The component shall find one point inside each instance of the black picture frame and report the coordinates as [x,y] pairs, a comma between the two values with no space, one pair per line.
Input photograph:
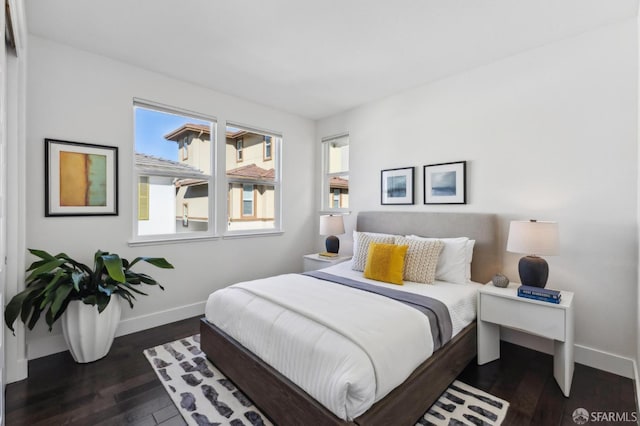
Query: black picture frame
[80,179]
[397,186]
[445,183]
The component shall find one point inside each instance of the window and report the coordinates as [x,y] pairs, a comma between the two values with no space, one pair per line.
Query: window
[247,200]
[173,171]
[267,148]
[253,187]
[185,148]
[185,214]
[335,179]
[336,198]
[239,150]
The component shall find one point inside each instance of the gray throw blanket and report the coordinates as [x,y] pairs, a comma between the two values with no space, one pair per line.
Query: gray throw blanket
[435,310]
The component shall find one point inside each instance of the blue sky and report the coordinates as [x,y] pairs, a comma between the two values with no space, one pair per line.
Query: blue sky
[150,128]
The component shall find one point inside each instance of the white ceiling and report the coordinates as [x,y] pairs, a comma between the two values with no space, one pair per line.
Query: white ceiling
[315,58]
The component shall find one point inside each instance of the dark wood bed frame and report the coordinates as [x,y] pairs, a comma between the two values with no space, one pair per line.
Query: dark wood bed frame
[286,404]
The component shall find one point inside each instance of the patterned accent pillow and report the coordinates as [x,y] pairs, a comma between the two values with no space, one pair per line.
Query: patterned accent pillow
[362,248]
[422,259]
[385,262]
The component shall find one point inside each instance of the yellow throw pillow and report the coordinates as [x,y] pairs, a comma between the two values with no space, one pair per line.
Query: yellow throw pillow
[385,262]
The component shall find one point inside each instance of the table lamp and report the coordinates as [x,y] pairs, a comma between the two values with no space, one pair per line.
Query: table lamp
[332,225]
[533,238]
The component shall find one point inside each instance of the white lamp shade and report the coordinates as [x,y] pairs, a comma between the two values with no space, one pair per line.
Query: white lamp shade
[331,225]
[533,237]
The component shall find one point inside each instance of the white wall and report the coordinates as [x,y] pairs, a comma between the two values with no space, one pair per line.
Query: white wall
[162,207]
[548,134]
[78,96]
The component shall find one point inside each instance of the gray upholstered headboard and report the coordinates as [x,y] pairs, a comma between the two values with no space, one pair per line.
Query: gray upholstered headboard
[478,226]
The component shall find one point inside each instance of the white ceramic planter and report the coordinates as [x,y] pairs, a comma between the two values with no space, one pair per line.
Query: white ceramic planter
[89,335]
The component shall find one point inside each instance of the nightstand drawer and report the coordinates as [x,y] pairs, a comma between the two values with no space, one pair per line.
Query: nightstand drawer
[535,318]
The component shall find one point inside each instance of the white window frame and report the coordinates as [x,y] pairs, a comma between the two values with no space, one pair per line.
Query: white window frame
[211,232]
[276,156]
[326,204]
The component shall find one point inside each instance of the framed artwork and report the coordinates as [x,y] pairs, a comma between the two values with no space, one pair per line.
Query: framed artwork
[445,183]
[81,179]
[396,186]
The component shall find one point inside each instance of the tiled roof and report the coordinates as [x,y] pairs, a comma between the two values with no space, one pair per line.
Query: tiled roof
[336,182]
[156,165]
[251,171]
[177,133]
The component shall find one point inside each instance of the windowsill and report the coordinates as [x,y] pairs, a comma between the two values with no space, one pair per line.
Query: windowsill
[335,211]
[185,239]
[251,234]
[171,240]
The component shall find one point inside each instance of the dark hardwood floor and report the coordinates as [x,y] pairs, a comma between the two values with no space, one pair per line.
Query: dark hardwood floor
[123,389]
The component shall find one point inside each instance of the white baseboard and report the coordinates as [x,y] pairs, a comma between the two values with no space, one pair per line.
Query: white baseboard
[55,343]
[585,355]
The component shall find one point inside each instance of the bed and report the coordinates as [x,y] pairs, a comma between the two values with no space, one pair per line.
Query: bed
[286,403]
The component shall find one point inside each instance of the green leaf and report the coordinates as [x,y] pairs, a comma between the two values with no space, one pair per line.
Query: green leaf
[126,296]
[47,267]
[103,301]
[49,290]
[49,318]
[90,300]
[34,317]
[159,262]
[134,289]
[41,254]
[14,306]
[114,267]
[32,301]
[62,293]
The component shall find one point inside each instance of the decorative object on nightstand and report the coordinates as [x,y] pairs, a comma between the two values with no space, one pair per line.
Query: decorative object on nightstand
[500,280]
[332,225]
[533,238]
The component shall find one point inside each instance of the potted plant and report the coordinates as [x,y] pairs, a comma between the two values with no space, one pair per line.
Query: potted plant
[61,287]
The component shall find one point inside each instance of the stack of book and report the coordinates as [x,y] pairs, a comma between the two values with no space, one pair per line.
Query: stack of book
[539,293]
[327,254]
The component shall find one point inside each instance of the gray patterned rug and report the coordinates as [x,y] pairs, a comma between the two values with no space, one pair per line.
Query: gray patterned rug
[204,396]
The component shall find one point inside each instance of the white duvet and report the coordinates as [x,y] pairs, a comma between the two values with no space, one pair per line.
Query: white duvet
[345,347]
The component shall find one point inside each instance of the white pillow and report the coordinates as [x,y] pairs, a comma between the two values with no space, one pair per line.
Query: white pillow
[452,263]
[469,258]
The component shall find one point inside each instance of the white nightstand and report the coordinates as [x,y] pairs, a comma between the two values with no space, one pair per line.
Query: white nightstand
[502,307]
[314,261]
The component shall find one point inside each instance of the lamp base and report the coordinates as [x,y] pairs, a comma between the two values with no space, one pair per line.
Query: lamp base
[332,244]
[534,271]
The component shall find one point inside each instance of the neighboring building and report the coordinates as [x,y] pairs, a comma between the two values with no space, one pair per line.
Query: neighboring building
[157,195]
[338,193]
[250,169]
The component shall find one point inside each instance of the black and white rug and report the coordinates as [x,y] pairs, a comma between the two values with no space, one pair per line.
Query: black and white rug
[204,396]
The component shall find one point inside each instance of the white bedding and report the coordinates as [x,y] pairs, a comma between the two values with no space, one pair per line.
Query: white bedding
[335,342]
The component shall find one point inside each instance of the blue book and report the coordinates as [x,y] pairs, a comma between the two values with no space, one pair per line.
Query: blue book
[538,291]
[541,298]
